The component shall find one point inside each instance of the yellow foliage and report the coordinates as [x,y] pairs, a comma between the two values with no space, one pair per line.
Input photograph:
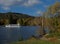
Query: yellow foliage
[54,8]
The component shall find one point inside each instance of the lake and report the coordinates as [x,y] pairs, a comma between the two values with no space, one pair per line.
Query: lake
[15,34]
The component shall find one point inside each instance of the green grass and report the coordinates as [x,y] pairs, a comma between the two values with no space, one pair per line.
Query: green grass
[36,42]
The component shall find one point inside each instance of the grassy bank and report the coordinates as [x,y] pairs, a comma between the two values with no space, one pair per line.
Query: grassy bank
[34,41]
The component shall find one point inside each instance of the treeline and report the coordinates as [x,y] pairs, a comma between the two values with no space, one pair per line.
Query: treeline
[53,19]
[22,19]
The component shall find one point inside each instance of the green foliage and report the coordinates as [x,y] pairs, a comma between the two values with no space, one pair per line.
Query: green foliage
[54,25]
[15,17]
[22,19]
[36,42]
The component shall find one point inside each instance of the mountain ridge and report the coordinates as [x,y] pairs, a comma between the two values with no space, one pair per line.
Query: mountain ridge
[13,18]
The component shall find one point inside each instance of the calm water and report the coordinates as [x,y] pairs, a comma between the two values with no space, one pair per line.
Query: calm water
[15,34]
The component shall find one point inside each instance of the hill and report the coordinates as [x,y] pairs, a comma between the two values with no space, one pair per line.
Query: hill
[14,18]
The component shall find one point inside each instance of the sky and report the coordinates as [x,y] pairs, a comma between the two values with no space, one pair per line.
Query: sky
[30,7]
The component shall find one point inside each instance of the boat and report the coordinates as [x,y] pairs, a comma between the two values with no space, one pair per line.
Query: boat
[12,25]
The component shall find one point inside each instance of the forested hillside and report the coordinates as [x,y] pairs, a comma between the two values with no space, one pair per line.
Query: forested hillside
[14,18]
[53,19]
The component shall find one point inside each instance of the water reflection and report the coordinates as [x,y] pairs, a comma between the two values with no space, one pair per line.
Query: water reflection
[15,34]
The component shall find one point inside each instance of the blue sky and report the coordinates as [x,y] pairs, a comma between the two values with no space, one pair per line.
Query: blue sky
[30,7]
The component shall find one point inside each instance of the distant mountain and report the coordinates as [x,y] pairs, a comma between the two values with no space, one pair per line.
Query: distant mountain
[18,15]
[13,18]
[22,19]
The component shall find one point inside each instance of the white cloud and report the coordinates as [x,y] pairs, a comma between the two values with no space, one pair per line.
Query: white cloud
[6,8]
[31,2]
[18,0]
[39,12]
[8,3]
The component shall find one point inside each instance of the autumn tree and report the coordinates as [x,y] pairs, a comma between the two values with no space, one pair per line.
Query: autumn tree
[52,16]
